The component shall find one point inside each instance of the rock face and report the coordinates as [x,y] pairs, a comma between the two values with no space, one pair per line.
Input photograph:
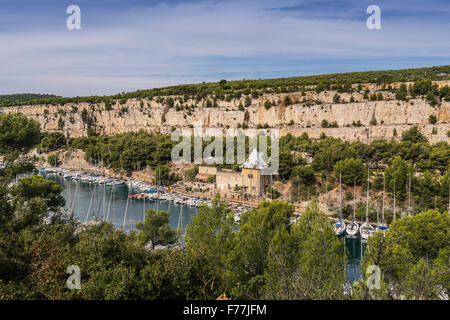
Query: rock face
[360,120]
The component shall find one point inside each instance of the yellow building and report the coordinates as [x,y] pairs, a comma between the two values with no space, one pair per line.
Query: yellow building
[251,181]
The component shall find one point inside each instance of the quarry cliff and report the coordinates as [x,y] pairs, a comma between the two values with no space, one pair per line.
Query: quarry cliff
[351,117]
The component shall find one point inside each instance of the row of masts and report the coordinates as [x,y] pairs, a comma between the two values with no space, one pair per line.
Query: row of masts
[366,230]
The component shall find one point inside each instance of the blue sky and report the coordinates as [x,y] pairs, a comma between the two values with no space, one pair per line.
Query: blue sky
[131,45]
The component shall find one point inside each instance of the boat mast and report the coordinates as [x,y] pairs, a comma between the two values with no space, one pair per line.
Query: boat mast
[68,206]
[367,198]
[243,187]
[126,209]
[378,219]
[75,196]
[104,200]
[409,195]
[326,191]
[354,199]
[340,194]
[110,199]
[90,203]
[394,198]
[143,211]
[382,208]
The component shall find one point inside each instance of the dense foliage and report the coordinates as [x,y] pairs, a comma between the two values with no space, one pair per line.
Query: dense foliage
[17,133]
[21,98]
[267,258]
[414,258]
[235,89]
[130,151]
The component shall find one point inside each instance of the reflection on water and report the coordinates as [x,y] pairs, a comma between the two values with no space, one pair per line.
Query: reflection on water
[110,203]
[355,251]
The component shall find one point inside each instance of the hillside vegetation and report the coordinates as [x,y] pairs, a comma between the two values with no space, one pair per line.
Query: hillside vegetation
[341,81]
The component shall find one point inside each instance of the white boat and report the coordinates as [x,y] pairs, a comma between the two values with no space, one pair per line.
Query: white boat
[85,179]
[352,228]
[367,229]
[382,226]
[340,227]
[154,196]
[67,176]
[116,182]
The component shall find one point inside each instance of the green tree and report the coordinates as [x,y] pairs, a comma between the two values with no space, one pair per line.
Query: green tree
[413,257]
[352,170]
[209,241]
[249,257]
[248,101]
[17,133]
[402,92]
[398,175]
[53,160]
[306,262]
[52,141]
[304,174]
[155,229]
[163,176]
[37,187]
[413,135]
[432,118]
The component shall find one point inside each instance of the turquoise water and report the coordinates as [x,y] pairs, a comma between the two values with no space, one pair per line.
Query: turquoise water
[104,199]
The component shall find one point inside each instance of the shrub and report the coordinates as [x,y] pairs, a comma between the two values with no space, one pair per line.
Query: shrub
[413,135]
[432,118]
[336,98]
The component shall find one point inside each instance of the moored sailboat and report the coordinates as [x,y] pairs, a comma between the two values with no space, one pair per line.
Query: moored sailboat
[367,229]
[382,226]
[340,227]
[353,227]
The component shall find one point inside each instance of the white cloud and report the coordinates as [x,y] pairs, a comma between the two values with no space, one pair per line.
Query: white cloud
[179,43]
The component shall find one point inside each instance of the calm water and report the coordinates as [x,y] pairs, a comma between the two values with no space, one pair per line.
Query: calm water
[88,201]
[355,251]
[98,200]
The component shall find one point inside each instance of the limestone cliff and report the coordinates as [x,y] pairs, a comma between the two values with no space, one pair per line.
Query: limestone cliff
[360,120]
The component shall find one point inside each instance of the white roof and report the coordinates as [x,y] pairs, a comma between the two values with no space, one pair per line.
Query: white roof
[254,161]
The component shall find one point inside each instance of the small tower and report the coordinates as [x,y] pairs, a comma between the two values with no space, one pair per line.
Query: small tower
[254,180]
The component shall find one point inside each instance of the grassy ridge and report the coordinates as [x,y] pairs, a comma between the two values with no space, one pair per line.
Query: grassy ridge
[254,87]
[24,97]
